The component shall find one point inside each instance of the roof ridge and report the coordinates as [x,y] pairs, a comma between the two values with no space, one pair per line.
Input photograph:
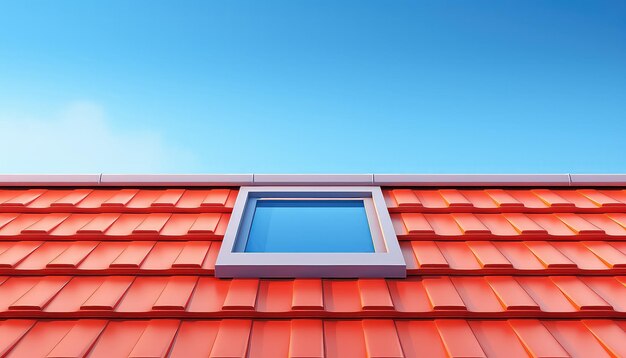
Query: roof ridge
[102,179]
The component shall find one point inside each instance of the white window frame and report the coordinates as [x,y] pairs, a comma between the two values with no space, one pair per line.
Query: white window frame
[386,260]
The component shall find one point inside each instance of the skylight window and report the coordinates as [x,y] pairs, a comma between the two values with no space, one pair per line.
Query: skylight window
[310,232]
[309,226]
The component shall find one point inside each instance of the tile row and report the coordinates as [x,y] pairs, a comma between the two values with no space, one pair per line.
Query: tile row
[407,225]
[508,225]
[193,296]
[422,257]
[107,257]
[175,200]
[312,338]
[506,200]
[515,257]
[117,200]
[112,225]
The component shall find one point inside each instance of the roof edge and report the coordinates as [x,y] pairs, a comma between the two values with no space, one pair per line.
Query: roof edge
[472,179]
[439,180]
[176,179]
[49,179]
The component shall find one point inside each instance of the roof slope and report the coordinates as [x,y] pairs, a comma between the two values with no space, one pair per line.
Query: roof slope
[128,272]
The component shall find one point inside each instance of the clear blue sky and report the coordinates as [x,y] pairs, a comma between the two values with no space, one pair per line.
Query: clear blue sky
[313,86]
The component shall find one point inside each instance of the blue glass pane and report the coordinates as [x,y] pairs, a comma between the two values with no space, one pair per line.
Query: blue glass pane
[309,226]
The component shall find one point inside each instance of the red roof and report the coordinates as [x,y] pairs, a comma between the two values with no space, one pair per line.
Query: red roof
[127,272]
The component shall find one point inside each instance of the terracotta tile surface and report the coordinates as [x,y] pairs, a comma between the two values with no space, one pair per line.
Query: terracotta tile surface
[312,338]
[430,296]
[493,272]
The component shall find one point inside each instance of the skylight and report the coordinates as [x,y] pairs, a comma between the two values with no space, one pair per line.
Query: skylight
[310,232]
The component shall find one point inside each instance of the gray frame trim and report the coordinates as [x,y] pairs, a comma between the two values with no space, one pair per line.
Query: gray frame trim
[389,263]
[426,180]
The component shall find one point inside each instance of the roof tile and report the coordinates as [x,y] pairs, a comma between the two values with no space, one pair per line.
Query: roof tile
[548,255]
[23,197]
[524,225]
[169,197]
[454,198]
[45,224]
[242,294]
[600,199]
[307,294]
[511,294]
[74,294]
[40,294]
[209,295]
[442,294]
[192,255]
[612,257]
[232,339]
[108,294]
[381,339]
[342,296]
[41,339]
[405,197]
[488,255]
[338,332]
[176,293]
[142,294]
[610,290]
[469,224]
[458,338]
[546,294]
[18,252]
[519,255]
[118,339]
[74,254]
[73,198]
[216,197]
[374,294]
[416,223]
[476,294]
[536,338]
[503,199]
[11,332]
[579,294]
[156,339]
[121,197]
[497,339]
[580,255]
[277,332]
[577,340]
[420,339]
[551,198]
[609,335]
[133,255]
[79,340]
[195,339]
[578,224]
[428,254]
[152,224]
[306,339]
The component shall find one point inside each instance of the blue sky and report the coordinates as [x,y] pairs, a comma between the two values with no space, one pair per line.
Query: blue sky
[313,86]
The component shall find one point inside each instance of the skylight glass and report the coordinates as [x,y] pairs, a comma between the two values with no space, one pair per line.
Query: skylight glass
[314,226]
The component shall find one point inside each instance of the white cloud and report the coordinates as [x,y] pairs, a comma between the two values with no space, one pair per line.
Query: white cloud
[79,140]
